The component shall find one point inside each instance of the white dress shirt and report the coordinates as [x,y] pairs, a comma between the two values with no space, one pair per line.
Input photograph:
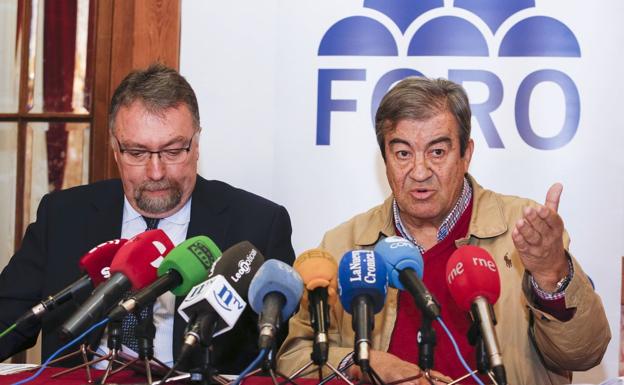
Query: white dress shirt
[175,227]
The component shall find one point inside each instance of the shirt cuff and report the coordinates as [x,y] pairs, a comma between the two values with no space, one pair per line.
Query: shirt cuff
[553,303]
[559,293]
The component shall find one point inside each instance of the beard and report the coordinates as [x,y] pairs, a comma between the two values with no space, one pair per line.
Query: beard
[158,205]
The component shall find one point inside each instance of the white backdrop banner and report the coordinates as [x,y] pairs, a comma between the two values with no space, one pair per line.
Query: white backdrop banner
[288,89]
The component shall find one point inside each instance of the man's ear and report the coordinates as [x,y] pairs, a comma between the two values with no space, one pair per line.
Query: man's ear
[468,154]
[111,140]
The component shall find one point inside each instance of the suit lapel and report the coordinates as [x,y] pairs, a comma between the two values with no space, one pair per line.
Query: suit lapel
[105,221]
[208,217]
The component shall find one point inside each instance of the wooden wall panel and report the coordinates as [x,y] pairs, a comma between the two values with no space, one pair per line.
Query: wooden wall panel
[158,29]
[141,32]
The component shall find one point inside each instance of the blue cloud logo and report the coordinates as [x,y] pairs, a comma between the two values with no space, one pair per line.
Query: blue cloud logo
[449,35]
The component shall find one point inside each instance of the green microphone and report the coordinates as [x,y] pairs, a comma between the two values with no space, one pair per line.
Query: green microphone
[187,265]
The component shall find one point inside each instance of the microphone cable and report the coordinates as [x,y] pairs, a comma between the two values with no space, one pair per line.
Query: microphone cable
[60,350]
[8,330]
[251,366]
[461,359]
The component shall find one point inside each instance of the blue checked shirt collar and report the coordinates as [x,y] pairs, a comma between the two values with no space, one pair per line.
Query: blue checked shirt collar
[447,224]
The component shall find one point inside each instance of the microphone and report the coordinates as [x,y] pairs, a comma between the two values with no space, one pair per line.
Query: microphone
[94,264]
[405,270]
[134,265]
[473,280]
[215,305]
[318,269]
[185,266]
[362,285]
[274,294]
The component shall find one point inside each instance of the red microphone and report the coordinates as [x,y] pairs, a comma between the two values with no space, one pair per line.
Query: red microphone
[134,266]
[140,257]
[94,263]
[473,280]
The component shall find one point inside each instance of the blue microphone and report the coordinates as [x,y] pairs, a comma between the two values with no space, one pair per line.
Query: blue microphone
[362,286]
[405,266]
[274,294]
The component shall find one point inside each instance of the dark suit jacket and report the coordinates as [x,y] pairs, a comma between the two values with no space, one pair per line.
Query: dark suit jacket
[70,222]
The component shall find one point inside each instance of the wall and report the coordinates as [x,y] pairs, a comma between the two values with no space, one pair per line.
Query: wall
[258,74]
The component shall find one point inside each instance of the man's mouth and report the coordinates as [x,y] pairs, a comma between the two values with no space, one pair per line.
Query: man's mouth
[421,193]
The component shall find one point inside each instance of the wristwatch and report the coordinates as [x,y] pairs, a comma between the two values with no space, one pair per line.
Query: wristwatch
[563,283]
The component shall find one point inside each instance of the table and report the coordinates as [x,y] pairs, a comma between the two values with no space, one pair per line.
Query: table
[125,377]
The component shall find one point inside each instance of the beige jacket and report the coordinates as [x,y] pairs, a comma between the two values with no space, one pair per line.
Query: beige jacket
[536,347]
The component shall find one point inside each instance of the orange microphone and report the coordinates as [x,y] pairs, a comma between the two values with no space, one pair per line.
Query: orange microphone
[319,271]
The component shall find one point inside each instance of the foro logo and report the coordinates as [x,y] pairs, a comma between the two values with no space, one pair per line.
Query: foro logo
[479,32]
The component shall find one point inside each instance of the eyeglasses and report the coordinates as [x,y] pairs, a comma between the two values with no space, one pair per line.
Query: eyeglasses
[140,157]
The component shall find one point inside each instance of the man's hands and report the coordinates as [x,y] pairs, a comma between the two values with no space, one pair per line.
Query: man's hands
[391,368]
[538,237]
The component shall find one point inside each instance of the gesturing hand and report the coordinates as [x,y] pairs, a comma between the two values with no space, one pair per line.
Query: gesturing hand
[538,237]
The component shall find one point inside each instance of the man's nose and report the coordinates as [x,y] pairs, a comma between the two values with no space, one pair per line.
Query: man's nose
[155,167]
[421,170]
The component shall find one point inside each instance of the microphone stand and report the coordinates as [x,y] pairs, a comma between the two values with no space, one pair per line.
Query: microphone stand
[114,346]
[426,344]
[269,366]
[483,362]
[320,347]
[145,333]
[206,373]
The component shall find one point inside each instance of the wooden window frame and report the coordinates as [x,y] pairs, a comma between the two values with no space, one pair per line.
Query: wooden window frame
[128,34]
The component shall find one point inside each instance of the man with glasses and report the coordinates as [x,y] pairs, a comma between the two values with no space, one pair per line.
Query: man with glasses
[154,132]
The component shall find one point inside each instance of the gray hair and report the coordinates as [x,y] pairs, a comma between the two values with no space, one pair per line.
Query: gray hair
[159,88]
[420,98]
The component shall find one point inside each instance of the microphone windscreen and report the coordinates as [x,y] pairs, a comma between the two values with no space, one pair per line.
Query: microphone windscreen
[398,253]
[192,259]
[139,258]
[362,272]
[96,262]
[318,268]
[470,273]
[276,276]
[238,265]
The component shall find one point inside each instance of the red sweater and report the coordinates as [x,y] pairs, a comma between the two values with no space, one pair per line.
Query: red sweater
[404,344]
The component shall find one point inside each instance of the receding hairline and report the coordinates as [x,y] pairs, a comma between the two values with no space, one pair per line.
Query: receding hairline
[151,109]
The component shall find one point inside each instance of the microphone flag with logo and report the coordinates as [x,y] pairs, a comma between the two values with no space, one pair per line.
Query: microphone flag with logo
[362,285]
[222,298]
